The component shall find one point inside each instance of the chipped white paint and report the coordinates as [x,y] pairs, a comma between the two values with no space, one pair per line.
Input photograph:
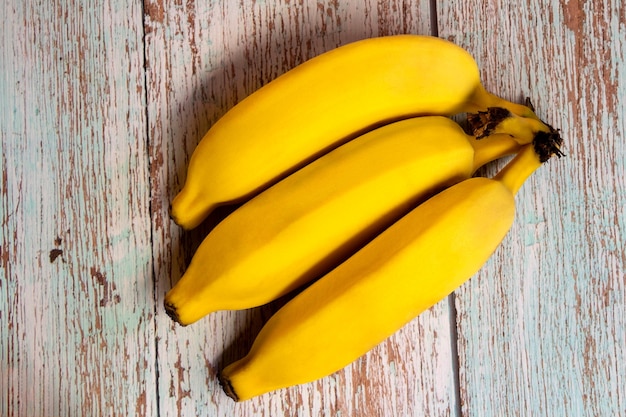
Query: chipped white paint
[542,327]
[76,292]
[98,122]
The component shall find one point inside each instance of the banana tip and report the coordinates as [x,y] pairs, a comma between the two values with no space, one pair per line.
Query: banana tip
[176,219]
[228,387]
[188,211]
[172,313]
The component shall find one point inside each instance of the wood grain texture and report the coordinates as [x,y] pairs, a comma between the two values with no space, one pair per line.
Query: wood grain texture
[541,328]
[102,105]
[76,289]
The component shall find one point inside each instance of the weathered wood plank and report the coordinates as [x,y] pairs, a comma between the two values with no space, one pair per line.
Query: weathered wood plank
[76,289]
[541,328]
[202,59]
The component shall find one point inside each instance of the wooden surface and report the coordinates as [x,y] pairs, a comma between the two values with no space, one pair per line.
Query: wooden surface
[101,107]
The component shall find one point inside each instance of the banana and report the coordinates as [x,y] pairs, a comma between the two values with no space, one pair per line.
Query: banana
[322,103]
[406,269]
[307,223]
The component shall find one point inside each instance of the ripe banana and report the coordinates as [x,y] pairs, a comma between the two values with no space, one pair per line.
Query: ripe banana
[322,103]
[405,270]
[310,221]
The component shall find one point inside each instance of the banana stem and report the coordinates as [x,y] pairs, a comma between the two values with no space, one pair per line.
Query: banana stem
[531,157]
[519,169]
[493,147]
[523,129]
[483,99]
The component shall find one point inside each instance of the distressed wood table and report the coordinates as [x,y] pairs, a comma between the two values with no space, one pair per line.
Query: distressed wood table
[102,103]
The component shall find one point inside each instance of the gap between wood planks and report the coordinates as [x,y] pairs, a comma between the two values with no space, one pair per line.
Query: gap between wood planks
[452,313]
[155,284]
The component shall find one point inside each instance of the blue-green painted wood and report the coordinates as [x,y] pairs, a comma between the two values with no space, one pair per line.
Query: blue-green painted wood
[91,157]
[76,298]
[542,327]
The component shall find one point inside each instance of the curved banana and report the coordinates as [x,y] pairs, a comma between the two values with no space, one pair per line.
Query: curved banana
[405,270]
[325,102]
[309,222]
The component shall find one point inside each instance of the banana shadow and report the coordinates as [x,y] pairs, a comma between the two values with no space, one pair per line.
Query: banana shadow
[254,321]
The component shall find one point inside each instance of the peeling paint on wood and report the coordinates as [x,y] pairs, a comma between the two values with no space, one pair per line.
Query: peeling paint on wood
[102,106]
[541,328]
[76,286]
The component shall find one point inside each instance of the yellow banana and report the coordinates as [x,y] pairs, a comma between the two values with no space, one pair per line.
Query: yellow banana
[408,268]
[310,221]
[325,102]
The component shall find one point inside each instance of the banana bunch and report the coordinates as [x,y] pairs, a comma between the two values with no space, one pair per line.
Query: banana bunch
[356,183]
